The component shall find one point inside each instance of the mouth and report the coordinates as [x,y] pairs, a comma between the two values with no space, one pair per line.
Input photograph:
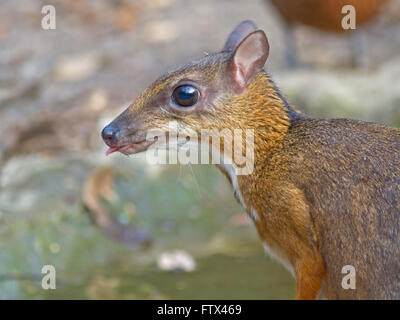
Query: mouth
[130,148]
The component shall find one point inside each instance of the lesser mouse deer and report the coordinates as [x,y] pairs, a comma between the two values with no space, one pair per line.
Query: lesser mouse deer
[323,194]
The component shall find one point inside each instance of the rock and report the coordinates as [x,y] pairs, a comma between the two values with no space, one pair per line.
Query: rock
[177,260]
[98,100]
[78,67]
[161,31]
[365,95]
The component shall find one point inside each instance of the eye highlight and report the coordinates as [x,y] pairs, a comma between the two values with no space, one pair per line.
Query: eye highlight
[186,95]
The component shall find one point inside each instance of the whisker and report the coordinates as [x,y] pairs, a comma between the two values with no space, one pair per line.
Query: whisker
[195,181]
[170,113]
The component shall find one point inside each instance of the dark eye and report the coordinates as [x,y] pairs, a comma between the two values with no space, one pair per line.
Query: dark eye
[186,95]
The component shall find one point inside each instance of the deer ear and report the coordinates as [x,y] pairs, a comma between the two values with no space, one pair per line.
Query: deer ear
[241,31]
[248,59]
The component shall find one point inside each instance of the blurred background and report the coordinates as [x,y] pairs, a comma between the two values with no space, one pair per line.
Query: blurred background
[116,227]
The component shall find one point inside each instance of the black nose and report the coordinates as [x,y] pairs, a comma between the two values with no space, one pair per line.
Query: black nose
[110,135]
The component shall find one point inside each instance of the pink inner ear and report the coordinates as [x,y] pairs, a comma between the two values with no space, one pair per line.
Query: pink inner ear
[240,74]
[249,58]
